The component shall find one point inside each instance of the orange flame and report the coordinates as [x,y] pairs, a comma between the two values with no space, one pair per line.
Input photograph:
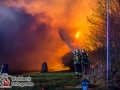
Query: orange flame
[77,34]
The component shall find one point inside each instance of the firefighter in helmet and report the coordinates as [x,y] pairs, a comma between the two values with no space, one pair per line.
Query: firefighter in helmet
[85,62]
[77,63]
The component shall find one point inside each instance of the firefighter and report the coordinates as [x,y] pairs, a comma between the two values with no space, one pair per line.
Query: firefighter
[85,62]
[77,63]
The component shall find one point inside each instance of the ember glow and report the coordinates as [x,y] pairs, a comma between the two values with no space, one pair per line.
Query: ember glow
[29,31]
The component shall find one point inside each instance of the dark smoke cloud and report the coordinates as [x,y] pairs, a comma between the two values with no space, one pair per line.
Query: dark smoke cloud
[20,37]
[29,31]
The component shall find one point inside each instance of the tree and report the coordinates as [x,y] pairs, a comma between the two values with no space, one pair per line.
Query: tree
[67,60]
[97,36]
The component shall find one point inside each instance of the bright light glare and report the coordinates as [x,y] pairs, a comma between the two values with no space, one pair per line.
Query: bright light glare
[77,34]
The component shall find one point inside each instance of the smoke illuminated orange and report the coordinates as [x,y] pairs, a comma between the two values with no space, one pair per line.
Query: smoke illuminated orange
[68,14]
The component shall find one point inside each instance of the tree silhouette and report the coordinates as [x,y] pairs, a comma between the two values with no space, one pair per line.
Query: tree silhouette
[97,36]
[67,60]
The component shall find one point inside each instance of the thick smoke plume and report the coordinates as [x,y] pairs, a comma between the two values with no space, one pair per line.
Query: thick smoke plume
[29,31]
[22,38]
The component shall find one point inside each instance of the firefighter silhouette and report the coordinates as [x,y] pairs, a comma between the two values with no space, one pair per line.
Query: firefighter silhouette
[77,63]
[85,62]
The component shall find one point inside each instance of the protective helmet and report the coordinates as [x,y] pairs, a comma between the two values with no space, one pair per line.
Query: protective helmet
[83,51]
[77,50]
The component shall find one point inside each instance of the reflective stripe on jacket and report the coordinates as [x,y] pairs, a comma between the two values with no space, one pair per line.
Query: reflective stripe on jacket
[77,58]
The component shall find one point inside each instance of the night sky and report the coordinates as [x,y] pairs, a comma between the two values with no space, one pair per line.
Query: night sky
[29,31]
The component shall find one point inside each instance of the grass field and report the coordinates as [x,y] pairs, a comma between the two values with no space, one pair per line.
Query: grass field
[52,81]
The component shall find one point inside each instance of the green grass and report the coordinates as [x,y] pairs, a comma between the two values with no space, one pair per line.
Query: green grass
[50,80]
[54,81]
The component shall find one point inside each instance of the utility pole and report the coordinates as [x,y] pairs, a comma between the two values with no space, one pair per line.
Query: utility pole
[108,51]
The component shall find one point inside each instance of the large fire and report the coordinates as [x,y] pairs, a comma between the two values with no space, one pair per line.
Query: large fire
[39,41]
